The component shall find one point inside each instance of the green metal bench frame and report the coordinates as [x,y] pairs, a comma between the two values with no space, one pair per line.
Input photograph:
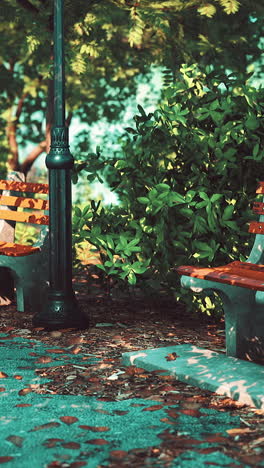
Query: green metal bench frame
[30,271]
[240,286]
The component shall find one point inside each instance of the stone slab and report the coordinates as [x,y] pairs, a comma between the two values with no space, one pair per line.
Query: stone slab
[237,379]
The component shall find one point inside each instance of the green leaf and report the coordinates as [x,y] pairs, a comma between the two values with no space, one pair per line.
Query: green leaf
[204,196]
[256,150]
[132,277]
[228,212]
[252,122]
[141,110]
[143,200]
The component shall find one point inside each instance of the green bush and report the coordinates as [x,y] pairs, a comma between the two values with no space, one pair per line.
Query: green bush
[187,176]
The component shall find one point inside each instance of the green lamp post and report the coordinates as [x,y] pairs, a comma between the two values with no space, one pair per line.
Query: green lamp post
[61,309]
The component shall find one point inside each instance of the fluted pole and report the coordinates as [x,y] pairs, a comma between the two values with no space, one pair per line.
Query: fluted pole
[61,309]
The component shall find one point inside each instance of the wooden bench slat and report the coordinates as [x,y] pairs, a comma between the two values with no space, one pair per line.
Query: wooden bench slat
[17,250]
[260,188]
[23,186]
[258,208]
[23,202]
[22,217]
[243,274]
[256,227]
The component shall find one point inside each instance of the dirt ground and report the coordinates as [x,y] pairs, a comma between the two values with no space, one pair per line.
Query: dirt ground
[124,324]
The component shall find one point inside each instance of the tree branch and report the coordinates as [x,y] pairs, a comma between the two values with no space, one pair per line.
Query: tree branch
[11,137]
[28,6]
[20,105]
[33,155]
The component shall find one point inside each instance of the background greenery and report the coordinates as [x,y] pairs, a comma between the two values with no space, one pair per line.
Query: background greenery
[185,173]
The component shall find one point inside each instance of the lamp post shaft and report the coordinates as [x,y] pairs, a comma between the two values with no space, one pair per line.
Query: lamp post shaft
[61,309]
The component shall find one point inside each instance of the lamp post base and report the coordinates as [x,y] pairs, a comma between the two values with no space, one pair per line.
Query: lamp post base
[60,311]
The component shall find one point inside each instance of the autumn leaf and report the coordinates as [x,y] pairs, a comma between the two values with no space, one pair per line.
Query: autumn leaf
[44,360]
[153,408]
[69,419]
[23,405]
[24,391]
[18,377]
[76,349]
[191,412]
[6,459]
[97,442]
[117,454]
[45,426]
[71,445]
[239,430]
[171,357]
[50,443]
[95,428]
[15,440]
[3,375]
[207,10]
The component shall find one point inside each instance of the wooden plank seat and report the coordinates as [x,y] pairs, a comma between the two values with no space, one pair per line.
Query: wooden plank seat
[17,250]
[241,288]
[28,264]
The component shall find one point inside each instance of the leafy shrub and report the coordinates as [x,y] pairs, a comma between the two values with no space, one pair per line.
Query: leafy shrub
[185,182]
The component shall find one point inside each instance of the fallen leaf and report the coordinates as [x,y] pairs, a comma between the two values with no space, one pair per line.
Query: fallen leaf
[6,459]
[191,412]
[2,389]
[97,442]
[18,377]
[24,391]
[258,441]
[208,450]
[71,445]
[16,440]
[237,431]
[23,405]
[45,426]
[75,340]
[171,357]
[117,454]
[50,443]
[76,349]
[3,375]
[101,411]
[95,428]
[120,413]
[44,360]
[55,334]
[69,419]
[56,351]
[153,408]
[78,464]
[172,413]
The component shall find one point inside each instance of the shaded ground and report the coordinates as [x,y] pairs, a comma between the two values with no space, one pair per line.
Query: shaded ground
[142,419]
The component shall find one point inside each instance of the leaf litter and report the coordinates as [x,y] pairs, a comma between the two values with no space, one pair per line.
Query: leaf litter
[125,325]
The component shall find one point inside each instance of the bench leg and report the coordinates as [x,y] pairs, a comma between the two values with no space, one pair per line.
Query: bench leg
[239,308]
[30,295]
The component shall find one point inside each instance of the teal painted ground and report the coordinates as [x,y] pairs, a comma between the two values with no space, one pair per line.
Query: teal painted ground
[48,431]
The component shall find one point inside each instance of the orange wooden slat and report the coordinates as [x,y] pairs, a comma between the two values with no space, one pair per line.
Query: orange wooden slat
[23,186]
[23,202]
[260,188]
[22,217]
[256,227]
[16,250]
[258,208]
[243,274]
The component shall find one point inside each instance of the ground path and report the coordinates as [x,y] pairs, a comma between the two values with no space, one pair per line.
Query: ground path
[66,401]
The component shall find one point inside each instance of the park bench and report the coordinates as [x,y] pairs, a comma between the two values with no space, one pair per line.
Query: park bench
[27,264]
[241,288]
